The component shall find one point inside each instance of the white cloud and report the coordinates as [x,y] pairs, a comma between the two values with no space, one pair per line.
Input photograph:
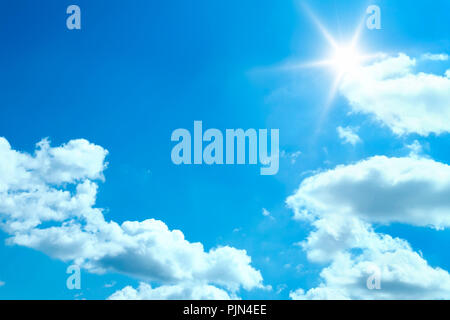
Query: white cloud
[397,96]
[415,148]
[342,204]
[410,190]
[56,185]
[404,274]
[172,292]
[280,288]
[321,293]
[435,57]
[110,284]
[348,135]
[2,283]
[291,155]
[266,213]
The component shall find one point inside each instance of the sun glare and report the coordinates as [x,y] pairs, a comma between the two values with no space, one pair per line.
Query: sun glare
[346,59]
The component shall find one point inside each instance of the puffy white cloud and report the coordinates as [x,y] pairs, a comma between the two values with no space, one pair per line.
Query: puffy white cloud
[2,283]
[185,291]
[410,190]
[348,135]
[29,193]
[403,273]
[404,100]
[333,235]
[342,204]
[47,203]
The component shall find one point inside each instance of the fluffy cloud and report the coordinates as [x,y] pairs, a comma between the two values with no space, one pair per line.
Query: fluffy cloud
[171,292]
[410,190]
[29,193]
[47,203]
[342,204]
[348,135]
[404,100]
[403,273]
[2,283]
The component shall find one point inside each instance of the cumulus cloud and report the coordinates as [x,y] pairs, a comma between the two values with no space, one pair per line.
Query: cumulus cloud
[47,202]
[410,190]
[342,204]
[348,135]
[399,97]
[185,291]
[404,273]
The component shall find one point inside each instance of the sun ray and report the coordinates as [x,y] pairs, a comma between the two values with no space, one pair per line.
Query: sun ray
[320,26]
[357,33]
[344,60]
[304,65]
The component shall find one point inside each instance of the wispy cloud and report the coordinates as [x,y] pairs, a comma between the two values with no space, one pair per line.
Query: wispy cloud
[348,135]
[435,57]
[110,284]
[266,213]
[292,156]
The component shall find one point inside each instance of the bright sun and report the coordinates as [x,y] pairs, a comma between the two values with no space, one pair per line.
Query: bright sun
[345,59]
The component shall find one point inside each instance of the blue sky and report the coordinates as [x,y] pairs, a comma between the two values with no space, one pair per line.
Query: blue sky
[137,71]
